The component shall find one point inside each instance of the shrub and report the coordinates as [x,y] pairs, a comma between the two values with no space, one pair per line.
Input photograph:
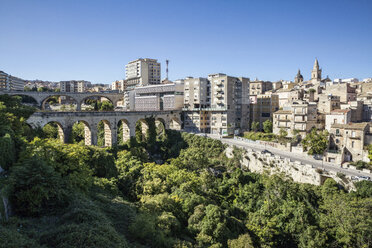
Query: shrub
[34,186]
[11,238]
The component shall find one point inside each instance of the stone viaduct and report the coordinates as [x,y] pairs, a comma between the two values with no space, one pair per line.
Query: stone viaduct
[111,120]
[42,97]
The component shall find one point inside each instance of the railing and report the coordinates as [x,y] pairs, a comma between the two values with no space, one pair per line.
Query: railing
[334,151]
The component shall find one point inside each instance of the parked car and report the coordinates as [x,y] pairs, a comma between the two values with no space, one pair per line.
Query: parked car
[318,157]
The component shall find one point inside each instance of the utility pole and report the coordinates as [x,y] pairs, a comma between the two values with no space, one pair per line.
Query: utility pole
[167,62]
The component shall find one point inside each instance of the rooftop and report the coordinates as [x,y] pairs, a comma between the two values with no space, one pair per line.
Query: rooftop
[351,125]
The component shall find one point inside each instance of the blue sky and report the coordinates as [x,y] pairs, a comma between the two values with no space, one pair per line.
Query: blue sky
[93,40]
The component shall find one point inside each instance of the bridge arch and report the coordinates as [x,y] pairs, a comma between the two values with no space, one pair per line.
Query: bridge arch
[59,95]
[175,123]
[105,137]
[124,130]
[85,98]
[160,127]
[60,130]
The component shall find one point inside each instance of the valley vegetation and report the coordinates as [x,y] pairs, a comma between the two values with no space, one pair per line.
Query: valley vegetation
[71,195]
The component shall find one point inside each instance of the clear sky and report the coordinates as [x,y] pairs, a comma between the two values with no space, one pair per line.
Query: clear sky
[93,40]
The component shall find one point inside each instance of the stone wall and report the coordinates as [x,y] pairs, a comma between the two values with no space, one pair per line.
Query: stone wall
[302,173]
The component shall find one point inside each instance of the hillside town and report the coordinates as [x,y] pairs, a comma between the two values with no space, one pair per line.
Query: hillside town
[227,106]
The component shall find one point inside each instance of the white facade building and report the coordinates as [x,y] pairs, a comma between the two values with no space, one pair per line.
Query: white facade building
[337,116]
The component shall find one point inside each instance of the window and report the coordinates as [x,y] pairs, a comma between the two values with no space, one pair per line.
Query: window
[337,131]
[334,121]
[353,134]
[352,144]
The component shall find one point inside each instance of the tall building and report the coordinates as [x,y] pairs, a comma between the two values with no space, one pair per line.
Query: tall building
[11,83]
[197,99]
[74,86]
[299,78]
[316,73]
[229,104]
[196,93]
[142,72]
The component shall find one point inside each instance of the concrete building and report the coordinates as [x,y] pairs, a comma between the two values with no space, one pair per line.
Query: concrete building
[288,96]
[299,115]
[262,108]
[197,99]
[328,103]
[118,85]
[259,87]
[197,93]
[142,72]
[344,91]
[356,108]
[229,104]
[347,142]
[337,116]
[156,97]
[11,83]
[75,86]
[277,85]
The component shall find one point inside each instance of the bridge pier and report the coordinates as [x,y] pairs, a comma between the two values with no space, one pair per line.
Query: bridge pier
[67,134]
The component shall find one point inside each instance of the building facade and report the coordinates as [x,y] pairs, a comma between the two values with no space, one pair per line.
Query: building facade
[75,86]
[142,72]
[155,97]
[262,108]
[299,116]
[11,83]
[229,104]
[259,87]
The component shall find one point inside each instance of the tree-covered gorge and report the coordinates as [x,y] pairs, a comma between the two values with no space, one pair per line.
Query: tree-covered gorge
[71,195]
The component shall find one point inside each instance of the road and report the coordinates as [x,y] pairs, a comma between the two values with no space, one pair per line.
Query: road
[292,156]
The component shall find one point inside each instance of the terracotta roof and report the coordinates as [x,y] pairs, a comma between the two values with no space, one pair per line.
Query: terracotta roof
[351,125]
[283,112]
[340,110]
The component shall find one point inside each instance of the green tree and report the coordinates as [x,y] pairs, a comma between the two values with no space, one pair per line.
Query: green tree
[255,126]
[35,186]
[316,142]
[106,106]
[268,126]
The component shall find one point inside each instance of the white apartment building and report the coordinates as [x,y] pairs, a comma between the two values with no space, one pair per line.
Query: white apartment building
[142,72]
[10,83]
[74,86]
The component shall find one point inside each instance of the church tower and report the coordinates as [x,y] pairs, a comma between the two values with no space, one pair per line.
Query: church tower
[299,78]
[316,73]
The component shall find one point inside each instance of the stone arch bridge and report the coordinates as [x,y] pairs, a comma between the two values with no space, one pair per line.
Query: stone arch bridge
[111,120]
[42,97]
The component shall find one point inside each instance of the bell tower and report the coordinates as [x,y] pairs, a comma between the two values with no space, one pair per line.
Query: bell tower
[316,73]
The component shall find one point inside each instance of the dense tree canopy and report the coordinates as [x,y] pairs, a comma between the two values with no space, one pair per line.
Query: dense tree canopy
[179,190]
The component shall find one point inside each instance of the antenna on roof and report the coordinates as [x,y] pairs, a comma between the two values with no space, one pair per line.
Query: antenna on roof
[167,62]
